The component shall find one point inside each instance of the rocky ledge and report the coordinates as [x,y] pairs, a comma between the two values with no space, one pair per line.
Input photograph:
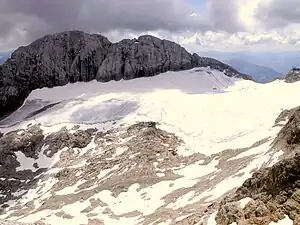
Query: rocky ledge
[72,56]
[271,194]
[104,160]
[293,75]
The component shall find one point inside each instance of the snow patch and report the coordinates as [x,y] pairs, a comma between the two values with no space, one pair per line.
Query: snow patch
[243,202]
[182,201]
[196,171]
[211,220]
[285,221]
[26,163]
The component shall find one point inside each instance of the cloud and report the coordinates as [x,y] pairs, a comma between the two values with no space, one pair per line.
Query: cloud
[278,13]
[224,15]
[214,24]
[34,18]
[288,40]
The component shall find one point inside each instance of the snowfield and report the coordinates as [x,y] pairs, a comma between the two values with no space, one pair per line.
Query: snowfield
[226,125]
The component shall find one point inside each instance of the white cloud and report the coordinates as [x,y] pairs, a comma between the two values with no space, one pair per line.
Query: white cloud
[222,25]
[255,36]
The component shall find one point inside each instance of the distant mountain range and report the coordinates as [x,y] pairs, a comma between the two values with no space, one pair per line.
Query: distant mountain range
[262,66]
[261,74]
[4,56]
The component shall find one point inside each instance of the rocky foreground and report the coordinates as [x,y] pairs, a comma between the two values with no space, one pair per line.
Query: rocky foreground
[71,170]
[272,193]
[116,160]
[72,56]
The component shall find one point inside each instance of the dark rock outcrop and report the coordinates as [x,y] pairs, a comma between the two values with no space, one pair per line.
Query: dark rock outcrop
[62,139]
[20,140]
[293,75]
[72,56]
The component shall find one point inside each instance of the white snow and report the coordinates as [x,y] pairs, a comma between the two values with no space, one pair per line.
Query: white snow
[235,181]
[188,80]
[20,132]
[70,189]
[104,173]
[285,221]
[182,201]
[119,151]
[211,220]
[236,114]
[46,162]
[209,121]
[26,163]
[19,193]
[275,157]
[254,151]
[134,155]
[183,217]
[243,202]
[195,170]
[160,174]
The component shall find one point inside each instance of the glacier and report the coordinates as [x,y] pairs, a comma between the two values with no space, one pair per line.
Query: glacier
[225,124]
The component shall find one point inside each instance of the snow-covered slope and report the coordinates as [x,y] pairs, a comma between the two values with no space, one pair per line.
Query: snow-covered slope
[210,133]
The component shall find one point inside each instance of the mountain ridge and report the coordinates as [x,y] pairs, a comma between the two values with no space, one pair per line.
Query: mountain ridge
[261,71]
[261,74]
[281,61]
[293,75]
[71,56]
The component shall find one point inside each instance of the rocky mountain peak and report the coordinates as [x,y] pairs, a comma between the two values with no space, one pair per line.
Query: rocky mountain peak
[71,56]
[293,75]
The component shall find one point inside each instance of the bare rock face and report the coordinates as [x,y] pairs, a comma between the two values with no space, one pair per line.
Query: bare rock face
[133,148]
[62,138]
[32,143]
[289,136]
[72,56]
[28,142]
[53,60]
[275,191]
[293,75]
[145,56]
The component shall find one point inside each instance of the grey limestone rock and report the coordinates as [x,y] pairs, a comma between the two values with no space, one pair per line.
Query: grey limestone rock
[293,75]
[72,56]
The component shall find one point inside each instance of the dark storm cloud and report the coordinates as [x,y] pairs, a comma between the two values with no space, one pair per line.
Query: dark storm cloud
[278,13]
[34,18]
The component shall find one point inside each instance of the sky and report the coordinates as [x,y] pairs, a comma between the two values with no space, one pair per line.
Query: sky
[198,25]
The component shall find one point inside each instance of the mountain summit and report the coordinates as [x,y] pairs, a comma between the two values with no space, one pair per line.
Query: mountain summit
[72,56]
[293,75]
